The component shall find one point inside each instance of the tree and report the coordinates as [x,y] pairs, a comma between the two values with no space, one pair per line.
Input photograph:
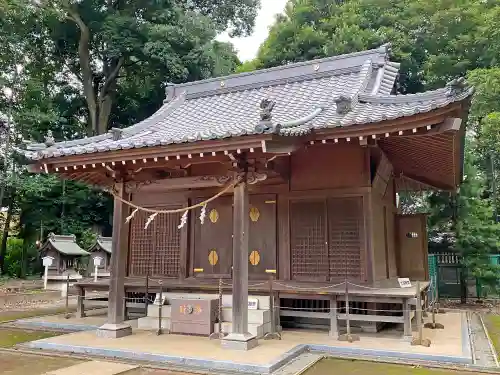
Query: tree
[485,119]
[435,40]
[97,44]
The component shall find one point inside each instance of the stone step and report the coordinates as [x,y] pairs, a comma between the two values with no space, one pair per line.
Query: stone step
[259,330]
[150,323]
[254,316]
[154,311]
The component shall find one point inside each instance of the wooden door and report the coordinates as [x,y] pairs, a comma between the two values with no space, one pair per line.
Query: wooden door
[213,242]
[412,247]
[262,240]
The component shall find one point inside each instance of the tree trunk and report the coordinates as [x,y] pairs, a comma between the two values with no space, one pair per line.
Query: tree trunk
[5,235]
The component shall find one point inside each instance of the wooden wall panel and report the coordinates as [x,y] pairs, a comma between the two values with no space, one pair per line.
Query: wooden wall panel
[329,166]
[379,236]
[308,240]
[345,238]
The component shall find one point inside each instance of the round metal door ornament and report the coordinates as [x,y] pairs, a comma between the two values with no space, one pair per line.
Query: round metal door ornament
[213,257]
[213,216]
[254,258]
[254,214]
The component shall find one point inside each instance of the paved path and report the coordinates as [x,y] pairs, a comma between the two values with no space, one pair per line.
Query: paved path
[297,365]
[480,343]
[93,368]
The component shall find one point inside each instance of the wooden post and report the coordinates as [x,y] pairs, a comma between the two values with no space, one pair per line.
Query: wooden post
[66,303]
[273,334]
[407,320]
[348,336]
[219,334]
[240,338]
[333,316]
[80,307]
[160,308]
[419,340]
[146,295]
[46,277]
[115,326]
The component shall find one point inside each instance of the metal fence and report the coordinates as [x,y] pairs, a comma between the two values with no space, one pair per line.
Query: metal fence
[451,277]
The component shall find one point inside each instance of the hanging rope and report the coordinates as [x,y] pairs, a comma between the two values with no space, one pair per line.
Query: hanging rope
[183,210]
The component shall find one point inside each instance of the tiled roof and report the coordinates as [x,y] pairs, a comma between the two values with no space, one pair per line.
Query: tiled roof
[104,243]
[307,96]
[65,245]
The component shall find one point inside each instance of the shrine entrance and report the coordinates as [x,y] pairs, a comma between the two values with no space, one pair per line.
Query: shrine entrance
[213,240]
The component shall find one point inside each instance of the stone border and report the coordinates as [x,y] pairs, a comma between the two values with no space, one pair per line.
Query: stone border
[39,296]
[466,338]
[211,365]
[71,327]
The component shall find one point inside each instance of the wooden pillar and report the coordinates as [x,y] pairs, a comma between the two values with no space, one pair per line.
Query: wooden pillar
[115,326]
[240,338]
[407,333]
[333,316]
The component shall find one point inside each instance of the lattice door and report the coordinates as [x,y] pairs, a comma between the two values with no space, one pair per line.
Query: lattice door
[345,243]
[167,245]
[140,246]
[308,240]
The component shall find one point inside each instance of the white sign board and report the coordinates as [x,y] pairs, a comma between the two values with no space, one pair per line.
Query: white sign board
[47,261]
[404,282]
[97,261]
[253,303]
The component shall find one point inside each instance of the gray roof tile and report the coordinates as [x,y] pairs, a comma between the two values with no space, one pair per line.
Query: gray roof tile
[104,243]
[64,244]
[304,96]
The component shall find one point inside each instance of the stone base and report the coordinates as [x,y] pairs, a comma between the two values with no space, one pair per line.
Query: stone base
[114,331]
[236,341]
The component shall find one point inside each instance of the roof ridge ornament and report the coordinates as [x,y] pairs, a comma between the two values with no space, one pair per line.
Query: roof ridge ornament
[344,104]
[169,92]
[265,125]
[49,139]
[456,86]
[116,133]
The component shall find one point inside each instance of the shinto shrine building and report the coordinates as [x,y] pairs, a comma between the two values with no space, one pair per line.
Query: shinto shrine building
[312,156]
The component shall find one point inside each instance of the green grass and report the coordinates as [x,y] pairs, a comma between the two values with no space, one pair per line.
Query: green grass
[492,323]
[14,315]
[11,337]
[22,364]
[331,366]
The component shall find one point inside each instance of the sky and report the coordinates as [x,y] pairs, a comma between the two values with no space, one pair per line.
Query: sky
[247,47]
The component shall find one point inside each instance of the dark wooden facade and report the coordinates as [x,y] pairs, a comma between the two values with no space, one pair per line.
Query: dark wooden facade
[334,218]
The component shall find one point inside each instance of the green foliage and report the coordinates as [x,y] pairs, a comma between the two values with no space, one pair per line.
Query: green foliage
[435,40]
[14,257]
[52,78]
